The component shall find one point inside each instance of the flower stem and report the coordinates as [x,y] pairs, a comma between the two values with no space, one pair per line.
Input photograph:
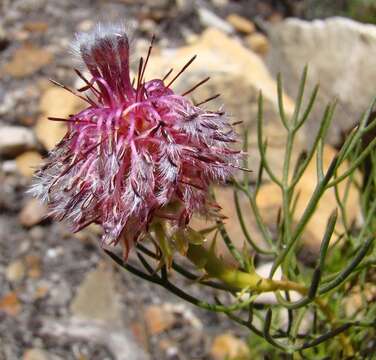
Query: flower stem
[238,280]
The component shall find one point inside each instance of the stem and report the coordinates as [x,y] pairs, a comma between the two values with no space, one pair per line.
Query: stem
[207,260]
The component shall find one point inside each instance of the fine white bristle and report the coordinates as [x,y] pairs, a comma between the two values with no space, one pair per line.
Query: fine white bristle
[85,41]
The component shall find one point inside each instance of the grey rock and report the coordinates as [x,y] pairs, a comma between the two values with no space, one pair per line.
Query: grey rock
[119,341]
[341,55]
[210,19]
[16,139]
[97,299]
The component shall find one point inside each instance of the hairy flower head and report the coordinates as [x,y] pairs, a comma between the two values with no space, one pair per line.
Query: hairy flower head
[137,153]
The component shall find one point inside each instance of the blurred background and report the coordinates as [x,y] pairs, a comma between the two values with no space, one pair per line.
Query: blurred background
[60,297]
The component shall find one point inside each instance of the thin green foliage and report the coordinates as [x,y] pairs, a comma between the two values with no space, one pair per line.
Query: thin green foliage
[312,325]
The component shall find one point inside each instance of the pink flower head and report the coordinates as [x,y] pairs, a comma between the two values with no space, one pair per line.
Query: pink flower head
[137,153]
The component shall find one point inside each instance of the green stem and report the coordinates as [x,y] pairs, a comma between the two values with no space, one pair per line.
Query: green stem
[207,260]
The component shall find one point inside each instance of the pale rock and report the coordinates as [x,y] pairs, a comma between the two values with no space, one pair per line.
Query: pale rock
[28,162]
[33,213]
[36,354]
[85,25]
[238,75]
[15,271]
[27,60]
[97,299]
[241,24]
[55,102]
[148,26]
[37,233]
[341,54]
[39,354]
[227,346]
[209,19]
[158,319]
[16,139]
[9,167]
[258,42]
[220,3]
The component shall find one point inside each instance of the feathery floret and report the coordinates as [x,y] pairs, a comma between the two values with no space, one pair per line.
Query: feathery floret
[137,153]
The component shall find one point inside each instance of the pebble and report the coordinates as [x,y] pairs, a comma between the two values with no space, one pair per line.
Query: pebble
[220,3]
[31,5]
[28,162]
[96,297]
[32,213]
[158,319]
[36,354]
[258,43]
[15,271]
[241,24]
[148,26]
[9,167]
[85,25]
[209,19]
[227,346]
[27,60]
[60,294]
[15,139]
[36,233]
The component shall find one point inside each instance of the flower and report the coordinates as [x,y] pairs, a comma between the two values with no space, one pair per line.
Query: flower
[137,153]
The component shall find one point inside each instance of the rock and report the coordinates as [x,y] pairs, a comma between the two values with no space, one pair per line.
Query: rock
[85,25]
[158,319]
[37,233]
[209,19]
[119,341]
[9,167]
[33,213]
[341,55]
[234,70]
[34,266]
[148,26]
[227,346]
[15,271]
[220,3]
[36,26]
[36,354]
[28,162]
[39,354]
[97,299]
[55,102]
[15,139]
[27,60]
[258,42]
[10,304]
[269,200]
[60,294]
[241,24]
